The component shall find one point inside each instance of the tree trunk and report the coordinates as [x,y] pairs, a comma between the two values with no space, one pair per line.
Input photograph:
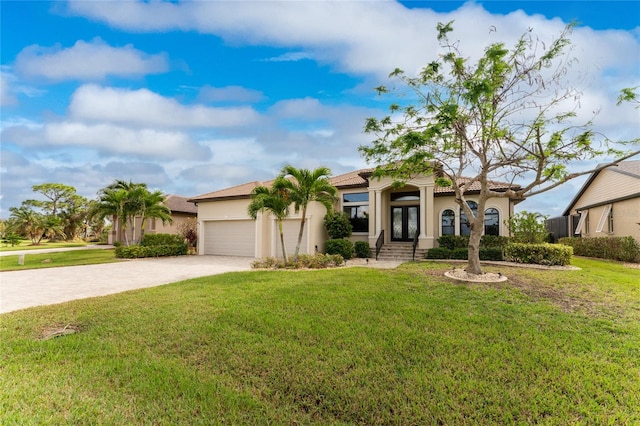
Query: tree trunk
[302,221]
[284,251]
[473,267]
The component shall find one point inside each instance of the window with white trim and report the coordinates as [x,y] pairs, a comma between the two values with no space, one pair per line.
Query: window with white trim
[465,226]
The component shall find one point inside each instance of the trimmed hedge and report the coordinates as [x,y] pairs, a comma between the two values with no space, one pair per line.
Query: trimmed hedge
[462,253]
[339,246]
[453,242]
[362,249]
[161,240]
[540,254]
[624,249]
[133,252]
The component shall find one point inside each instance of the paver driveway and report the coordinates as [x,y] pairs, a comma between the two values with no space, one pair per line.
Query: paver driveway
[34,287]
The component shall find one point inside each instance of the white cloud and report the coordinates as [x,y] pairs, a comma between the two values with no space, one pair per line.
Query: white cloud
[7,96]
[290,57]
[87,61]
[146,108]
[236,94]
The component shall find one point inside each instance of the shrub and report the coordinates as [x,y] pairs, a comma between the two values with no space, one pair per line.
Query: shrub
[493,241]
[317,261]
[438,253]
[135,251]
[337,225]
[528,227]
[453,241]
[491,253]
[338,246]
[541,254]
[362,249]
[161,240]
[460,253]
[624,249]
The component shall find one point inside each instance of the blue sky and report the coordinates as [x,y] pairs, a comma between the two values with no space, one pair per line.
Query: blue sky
[194,97]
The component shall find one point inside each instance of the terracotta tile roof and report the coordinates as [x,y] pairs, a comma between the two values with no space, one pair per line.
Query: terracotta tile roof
[495,186]
[352,179]
[176,203]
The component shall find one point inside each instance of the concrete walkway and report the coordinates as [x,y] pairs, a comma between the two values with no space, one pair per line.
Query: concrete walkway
[47,286]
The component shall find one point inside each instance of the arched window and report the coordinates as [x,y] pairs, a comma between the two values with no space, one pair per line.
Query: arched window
[448,222]
[491,222]
[465,227]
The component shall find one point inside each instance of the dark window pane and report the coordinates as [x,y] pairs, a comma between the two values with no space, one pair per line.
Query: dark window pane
[491,222]
[356,197]
[448,222]
[405,196]
[359,217]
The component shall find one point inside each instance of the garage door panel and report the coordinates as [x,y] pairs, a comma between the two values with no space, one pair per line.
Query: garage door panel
[230,238]
[291,229]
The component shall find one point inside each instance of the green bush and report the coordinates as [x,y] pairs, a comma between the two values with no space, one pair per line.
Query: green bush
[135,251]
[438,253]
[339,246]
[462,253]
[624,249]
[303,261]
[362,249]
[149,240]
[540,254]
[338,225]
[528,227]
[452,242]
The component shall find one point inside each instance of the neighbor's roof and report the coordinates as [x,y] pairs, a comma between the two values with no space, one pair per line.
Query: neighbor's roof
[628,168]
[177,203]
[354,179]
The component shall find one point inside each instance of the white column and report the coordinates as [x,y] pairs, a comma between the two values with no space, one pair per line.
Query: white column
[378,212]
[423,212]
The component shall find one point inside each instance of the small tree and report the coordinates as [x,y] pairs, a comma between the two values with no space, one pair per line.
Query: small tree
[528,227]
[337,225]
[502,117]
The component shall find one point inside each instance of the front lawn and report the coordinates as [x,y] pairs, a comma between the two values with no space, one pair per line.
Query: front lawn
[342,346]
[44,244]
[60,258]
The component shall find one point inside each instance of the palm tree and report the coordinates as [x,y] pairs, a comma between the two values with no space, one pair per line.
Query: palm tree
[304,186]
[112,203]
[29,223]
[152,207]
[274,201]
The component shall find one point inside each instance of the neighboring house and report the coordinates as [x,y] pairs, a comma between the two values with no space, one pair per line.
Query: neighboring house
[181,210]
[375,207]
[608,204]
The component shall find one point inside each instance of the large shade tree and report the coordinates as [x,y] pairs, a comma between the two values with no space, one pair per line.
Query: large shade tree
[272,200]
[304,186]
[511,115]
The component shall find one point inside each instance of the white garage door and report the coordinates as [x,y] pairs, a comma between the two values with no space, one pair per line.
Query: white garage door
[291,229]
[230,237]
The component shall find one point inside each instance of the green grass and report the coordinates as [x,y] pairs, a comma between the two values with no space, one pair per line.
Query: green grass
[346,346]
[62,258]
[45,244]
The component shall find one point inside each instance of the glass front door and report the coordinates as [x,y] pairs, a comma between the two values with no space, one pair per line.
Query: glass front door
[404,223]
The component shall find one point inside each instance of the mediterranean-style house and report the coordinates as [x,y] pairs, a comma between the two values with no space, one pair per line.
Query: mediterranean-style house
[379,212]
[181,210]
[608,204]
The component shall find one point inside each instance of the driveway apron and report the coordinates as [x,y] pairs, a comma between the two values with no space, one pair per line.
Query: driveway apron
[35,287]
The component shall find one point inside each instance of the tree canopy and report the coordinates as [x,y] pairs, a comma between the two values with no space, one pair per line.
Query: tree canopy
[509,116]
